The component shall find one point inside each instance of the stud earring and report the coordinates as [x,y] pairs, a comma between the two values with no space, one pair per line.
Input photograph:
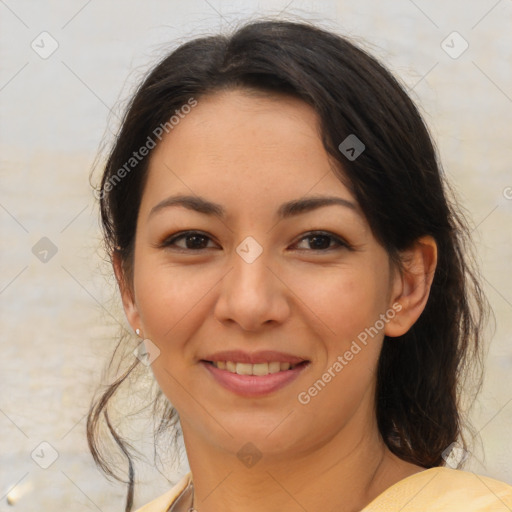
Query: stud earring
[137,331]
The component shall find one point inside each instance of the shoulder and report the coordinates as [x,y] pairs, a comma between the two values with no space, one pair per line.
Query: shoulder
[163,502]
[440,489]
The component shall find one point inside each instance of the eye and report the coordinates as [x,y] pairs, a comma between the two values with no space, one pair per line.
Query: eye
[321,241]
[194,241]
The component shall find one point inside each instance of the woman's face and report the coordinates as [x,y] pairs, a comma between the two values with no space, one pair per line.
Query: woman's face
[256,279]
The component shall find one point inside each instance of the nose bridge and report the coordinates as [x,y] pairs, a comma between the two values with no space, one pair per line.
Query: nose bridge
[251,264]
[250,279]
[251,295]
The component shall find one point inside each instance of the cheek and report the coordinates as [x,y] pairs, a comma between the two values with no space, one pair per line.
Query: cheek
[348,304]
[168,299]
[171,303]
[344,301]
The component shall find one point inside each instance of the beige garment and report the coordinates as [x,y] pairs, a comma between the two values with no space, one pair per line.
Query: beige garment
[165,501]
[431,490]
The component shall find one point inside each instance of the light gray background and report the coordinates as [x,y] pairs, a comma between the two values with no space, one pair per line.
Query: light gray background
[59,318]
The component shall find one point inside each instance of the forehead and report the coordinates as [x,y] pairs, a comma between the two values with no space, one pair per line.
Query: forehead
[251,147]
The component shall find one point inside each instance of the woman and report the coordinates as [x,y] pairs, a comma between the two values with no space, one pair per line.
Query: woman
[287,250]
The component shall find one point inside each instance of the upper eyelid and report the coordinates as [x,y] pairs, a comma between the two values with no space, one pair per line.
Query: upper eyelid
[316,232]
[178,235]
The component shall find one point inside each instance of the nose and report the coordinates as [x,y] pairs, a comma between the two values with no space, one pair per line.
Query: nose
[252,295]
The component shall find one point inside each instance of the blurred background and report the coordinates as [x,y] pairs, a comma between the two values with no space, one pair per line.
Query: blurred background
[67,69]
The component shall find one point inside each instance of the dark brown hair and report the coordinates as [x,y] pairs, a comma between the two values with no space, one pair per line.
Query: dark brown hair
[397,181]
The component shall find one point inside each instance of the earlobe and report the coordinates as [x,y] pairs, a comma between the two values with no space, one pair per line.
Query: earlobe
[129,306]
[411,287]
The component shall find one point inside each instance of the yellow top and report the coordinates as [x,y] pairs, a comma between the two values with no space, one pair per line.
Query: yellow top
[432,490]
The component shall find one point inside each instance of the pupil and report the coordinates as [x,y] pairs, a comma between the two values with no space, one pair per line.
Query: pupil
[320,246]
[196,238]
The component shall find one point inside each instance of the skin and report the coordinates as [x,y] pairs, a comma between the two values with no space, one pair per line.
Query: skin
[252,153]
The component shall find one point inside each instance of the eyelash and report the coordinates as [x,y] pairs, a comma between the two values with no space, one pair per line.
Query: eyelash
[170,241]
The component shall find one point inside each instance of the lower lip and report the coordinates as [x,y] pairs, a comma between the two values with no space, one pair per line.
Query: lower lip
[254,385]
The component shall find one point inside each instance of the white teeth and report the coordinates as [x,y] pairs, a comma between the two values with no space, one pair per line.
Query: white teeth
[260,369]
[243,368]
[274,367]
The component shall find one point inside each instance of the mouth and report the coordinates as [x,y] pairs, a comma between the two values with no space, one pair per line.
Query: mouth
[255,380]
[257,369]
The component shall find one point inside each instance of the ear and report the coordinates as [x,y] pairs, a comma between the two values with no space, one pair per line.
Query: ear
[411,285]
[127,296]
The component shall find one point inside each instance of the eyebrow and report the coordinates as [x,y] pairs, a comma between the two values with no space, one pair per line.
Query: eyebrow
[285,211]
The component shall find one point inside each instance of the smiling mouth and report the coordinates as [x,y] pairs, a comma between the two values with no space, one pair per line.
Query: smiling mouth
[258,369]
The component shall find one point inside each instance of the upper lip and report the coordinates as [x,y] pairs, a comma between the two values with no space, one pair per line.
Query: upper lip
[263,356]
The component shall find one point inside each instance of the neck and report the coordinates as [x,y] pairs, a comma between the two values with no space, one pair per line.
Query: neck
[343,473]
